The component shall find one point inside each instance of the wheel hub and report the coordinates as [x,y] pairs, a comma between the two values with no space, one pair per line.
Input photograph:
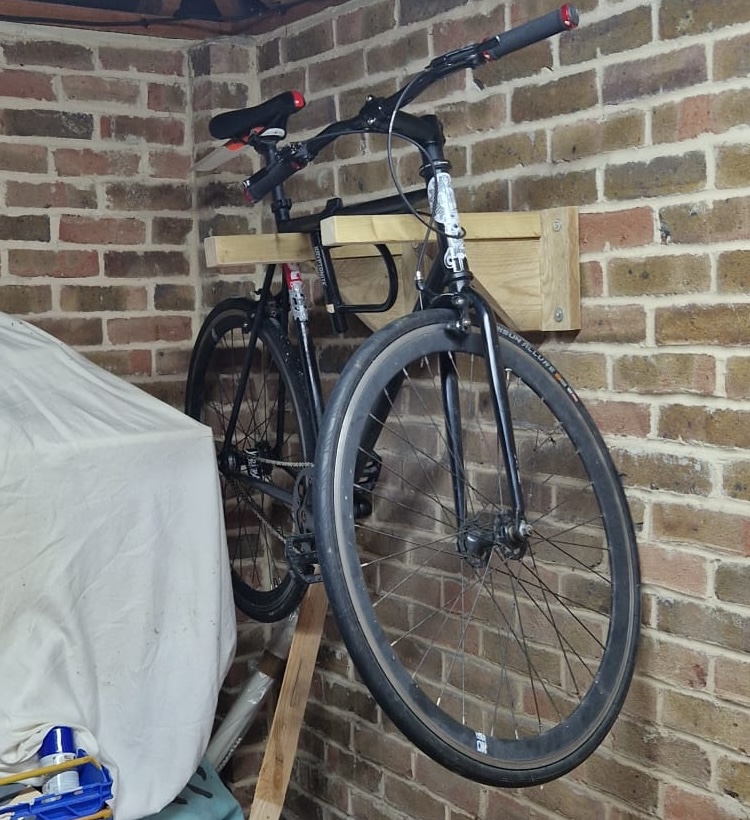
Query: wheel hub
[253,462]
[487,533]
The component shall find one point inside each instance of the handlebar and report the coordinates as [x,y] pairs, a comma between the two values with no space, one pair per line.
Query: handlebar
[556,22]
[264,181]
[295,156]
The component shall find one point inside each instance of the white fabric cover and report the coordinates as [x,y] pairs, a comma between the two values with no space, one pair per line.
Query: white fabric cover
[115,600]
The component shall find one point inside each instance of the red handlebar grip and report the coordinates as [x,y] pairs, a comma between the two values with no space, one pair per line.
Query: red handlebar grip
[569,16]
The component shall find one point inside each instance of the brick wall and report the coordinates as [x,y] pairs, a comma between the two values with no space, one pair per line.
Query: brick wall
[96,140]
[640,120]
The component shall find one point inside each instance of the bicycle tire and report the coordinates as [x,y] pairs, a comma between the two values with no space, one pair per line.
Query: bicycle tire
[508,671]
[256,523]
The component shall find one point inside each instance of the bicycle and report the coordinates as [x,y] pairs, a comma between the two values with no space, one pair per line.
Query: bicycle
[466,517]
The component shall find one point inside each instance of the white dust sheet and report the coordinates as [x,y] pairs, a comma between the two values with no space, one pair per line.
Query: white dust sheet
[115,600]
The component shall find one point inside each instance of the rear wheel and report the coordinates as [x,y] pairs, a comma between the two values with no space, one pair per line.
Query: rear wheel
[265,467]
[505,658]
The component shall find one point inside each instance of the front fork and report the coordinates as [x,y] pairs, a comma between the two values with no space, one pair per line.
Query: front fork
[514,529]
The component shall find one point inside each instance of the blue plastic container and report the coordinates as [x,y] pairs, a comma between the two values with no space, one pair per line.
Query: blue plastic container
[90,798]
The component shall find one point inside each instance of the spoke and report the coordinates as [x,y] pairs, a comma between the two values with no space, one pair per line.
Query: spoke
[411,485]
[560,597]
[465,622]
[521,643]
[525,648]
[573,558]
[551,620]
[410,548]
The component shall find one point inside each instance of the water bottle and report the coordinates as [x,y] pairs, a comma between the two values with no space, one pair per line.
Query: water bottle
[58,746]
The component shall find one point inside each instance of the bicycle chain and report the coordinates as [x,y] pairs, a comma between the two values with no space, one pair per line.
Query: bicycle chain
[275,463]
[236,485]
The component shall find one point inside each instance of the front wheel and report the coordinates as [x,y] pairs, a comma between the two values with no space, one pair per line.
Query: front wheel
[506,661]
[263,468]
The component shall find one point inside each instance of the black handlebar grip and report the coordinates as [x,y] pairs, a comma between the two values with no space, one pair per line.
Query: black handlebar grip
[563,19]
[264,181]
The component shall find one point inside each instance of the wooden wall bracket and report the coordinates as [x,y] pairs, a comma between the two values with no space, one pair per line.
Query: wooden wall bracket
[526,263]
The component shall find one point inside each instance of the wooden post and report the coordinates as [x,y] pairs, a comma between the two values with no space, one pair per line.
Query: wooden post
[281,749]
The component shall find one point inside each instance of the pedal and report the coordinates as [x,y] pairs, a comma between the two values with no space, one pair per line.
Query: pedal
[302,558]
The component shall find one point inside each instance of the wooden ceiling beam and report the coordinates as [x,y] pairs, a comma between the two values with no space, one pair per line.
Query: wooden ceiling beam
[83,17]
[80,17]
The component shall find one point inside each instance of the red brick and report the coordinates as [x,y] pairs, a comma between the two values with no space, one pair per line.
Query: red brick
[150,264]
[49,53]
[149,329]
[167,97]
[78,332]
[621,418]
[172,362]
[668,661]
[365,23]
[616,323]
[64,264]
[680,804]
[149,129]
[732,679]
[88,162]
[708,720]
[701,526]
[46,123]
[123,362]
[29,85]
[49,195]
[616,229]
[102,231]
[654,76]
[164,61]
[90,299]
[31,159]
[169,165]
[101,89]
[684,119]
[25,299]
[637,787]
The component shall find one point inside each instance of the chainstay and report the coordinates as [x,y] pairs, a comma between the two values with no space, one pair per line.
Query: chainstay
[237,486]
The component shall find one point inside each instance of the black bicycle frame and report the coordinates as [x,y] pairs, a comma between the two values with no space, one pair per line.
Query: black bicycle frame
[446,287]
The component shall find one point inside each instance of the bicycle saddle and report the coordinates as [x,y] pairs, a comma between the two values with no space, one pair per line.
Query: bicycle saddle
[268,119]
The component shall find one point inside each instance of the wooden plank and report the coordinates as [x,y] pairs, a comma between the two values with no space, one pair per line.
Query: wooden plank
[250,249]
[559,270]
[511,225]
[281,749]
[507,273]
[352,230]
